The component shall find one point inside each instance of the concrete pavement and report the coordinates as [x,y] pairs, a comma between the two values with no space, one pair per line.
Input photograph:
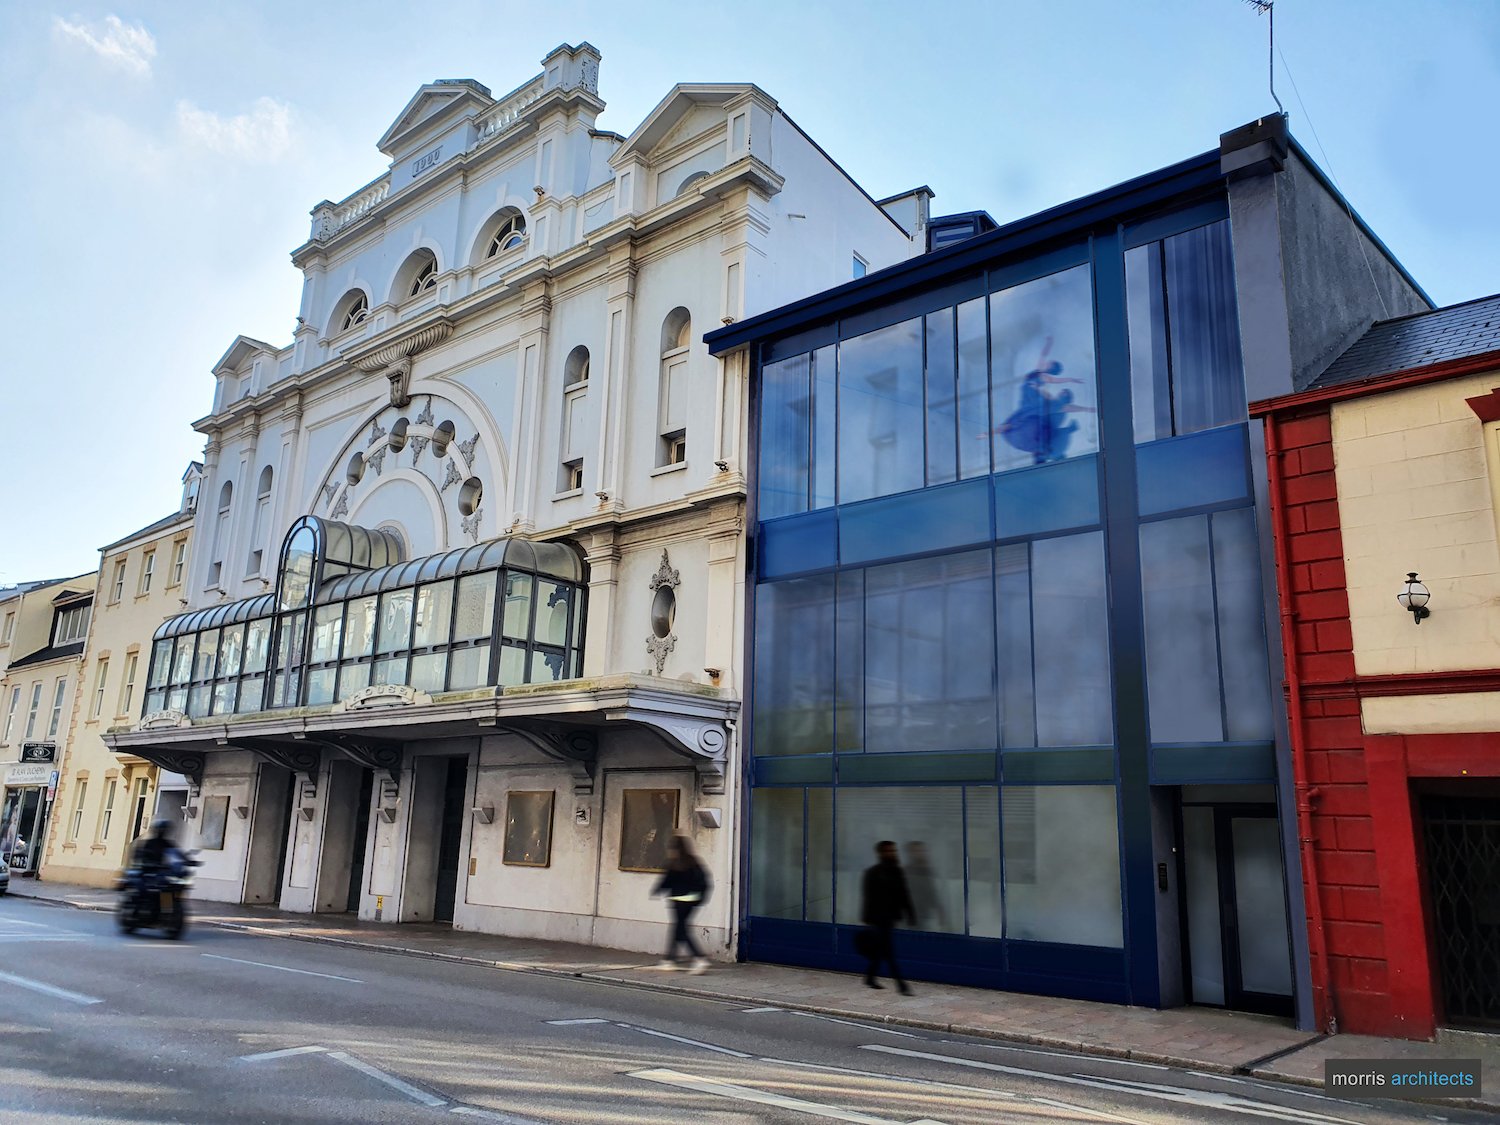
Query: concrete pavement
[1199,1039]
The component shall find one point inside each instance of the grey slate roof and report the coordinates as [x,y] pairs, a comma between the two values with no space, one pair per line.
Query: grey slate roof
[1419,340]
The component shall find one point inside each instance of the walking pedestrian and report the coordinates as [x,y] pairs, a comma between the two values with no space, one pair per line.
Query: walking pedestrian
[885,902]
[685,882]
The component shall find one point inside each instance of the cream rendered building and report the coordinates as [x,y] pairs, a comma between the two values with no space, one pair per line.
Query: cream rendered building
[467,597]
[110,800]
[43,629]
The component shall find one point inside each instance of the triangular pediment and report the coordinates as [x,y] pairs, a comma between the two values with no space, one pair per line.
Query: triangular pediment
[671,121]
[242,349]
[440,100]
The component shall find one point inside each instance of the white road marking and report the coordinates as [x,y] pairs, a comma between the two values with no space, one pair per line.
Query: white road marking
[49,990]
[760,1009]
[852,1023]
[281,968]
[689,1042]
[19,922]
[283,1054]
[1205,1098]
[12,939]
[1073,1055]
[763,1097]
[570,1023]
[492,1115]
[431,1100]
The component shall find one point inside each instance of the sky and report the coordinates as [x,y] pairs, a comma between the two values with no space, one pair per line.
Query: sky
[162,159]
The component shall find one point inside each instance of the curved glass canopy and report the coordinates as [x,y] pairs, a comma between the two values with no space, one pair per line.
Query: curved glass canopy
[348,613]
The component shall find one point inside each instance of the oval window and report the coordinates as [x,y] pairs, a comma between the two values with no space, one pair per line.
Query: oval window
[663,611]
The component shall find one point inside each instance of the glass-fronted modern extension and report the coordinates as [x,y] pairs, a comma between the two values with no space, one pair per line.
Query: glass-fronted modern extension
[348,614]
[1010,605]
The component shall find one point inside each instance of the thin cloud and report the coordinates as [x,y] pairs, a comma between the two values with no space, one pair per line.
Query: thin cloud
[126,45]
[264,134]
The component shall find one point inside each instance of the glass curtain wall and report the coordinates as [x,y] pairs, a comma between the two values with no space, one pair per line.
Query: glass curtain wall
[957,696]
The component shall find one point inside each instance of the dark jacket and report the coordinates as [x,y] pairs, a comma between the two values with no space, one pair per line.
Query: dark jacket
[689,880]
[886,900]
[153,851]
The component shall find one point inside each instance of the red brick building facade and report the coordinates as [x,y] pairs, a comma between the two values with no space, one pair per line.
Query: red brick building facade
[1397,928]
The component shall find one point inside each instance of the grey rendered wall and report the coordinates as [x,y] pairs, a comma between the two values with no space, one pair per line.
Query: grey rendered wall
[1339,280]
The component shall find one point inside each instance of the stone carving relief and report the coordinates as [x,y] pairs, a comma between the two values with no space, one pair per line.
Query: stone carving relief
[387,436]
[662,640]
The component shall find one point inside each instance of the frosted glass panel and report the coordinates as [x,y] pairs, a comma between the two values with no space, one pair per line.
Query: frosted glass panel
[776,854]
[1062,864]
[794,666]
[1202,884]
[820,855]
[929,654]
[1182,660]
[476,606]
[927,826]
[981,816]
[1242,638]
[880,395]
[1042,370]
[1071,642]
[1260,903]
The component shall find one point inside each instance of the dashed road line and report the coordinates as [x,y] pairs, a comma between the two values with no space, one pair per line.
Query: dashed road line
[285,1053]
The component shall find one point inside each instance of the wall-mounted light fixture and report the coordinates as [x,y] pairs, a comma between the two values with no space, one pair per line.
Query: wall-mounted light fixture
[1414,597]
[242,811]
[485,814]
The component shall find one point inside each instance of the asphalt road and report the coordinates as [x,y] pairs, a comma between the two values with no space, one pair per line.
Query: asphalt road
[227,1027]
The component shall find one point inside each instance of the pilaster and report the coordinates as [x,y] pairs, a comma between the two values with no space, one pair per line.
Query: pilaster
[620,287]
[603,555]
[535,326]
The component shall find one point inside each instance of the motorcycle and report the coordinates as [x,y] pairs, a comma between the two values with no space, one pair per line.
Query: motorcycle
[155,898]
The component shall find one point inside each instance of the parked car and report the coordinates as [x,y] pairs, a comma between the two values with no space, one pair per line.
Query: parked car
[4,877]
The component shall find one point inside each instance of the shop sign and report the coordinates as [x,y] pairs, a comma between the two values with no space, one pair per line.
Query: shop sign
[52,786]
[29,774]
[38,751]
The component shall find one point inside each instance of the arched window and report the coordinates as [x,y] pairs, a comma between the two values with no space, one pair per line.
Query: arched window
[676,335]
[417,275]
[509,232]
[221,535]
[353,309]
[683,187]
[259,529]
[575,438]
[576,369]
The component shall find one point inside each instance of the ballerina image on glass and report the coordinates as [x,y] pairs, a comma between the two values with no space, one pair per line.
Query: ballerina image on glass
[1039,425]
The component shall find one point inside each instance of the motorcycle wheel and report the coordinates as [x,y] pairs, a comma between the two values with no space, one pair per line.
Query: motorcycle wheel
[126,918]
[176,924]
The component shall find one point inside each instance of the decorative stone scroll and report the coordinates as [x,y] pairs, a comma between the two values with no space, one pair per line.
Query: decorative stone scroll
[578,748]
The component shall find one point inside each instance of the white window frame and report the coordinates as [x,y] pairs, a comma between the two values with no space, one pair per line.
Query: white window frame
[107,813]
[31,714]
[10,628]
[179,562]
[57,707]
[117,590]
[127,688]
[139,793]
[78,798]
[10,714]
[66,617]
[102,676]
[148,571]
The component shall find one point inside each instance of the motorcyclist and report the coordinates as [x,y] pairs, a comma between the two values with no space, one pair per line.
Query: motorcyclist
[157,851]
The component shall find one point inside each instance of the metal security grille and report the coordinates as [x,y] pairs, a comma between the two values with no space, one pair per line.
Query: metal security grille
[1463,866]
